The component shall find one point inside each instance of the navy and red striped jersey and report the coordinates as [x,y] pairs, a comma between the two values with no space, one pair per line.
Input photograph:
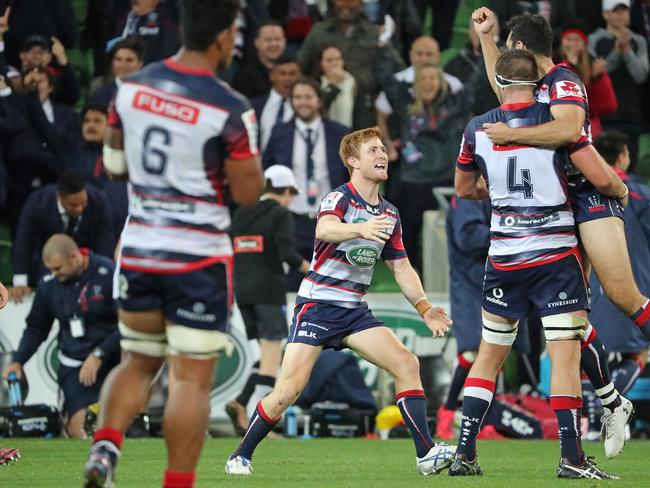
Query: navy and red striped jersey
[532,222]
[341,273]
[180,125]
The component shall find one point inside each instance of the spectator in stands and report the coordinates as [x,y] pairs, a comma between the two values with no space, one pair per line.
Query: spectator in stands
[296,18]
[444,14]
[358,39]
[558,12]
[626,55]
[51,55]
[275,106]
[70,207]
[88,162]
[253,78]
[154,28]
[430,120]
[593,72]
[309,146]
[79,294]
[90,165]
[37,154]
[45,17]
[424,50]
[126,58]
[469,61]
[339,87]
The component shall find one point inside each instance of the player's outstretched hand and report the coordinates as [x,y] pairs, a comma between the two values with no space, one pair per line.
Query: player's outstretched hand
[376,229]
[484,20]
[437,321]
[498,133]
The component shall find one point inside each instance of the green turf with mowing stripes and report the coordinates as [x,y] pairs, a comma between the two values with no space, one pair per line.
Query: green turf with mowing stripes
[317,463]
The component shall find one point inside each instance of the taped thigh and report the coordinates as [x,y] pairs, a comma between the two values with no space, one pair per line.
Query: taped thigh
[564,326]
[499,334]
[197,343]
[142,342]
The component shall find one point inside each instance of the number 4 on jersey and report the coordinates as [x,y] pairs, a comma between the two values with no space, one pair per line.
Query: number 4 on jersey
[526,185]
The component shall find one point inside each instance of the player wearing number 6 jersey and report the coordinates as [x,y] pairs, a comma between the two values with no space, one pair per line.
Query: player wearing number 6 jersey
[533,263]
[182,135]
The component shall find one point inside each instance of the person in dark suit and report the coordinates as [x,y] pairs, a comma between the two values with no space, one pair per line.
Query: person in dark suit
[308,145]
[252,79]
[275,106]
[69,207]
[127,56]
[37,154]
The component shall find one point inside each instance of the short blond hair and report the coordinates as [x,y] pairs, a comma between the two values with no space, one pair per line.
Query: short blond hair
[351,144]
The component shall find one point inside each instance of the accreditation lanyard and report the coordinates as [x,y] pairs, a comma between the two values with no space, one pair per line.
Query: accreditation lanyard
[76,321]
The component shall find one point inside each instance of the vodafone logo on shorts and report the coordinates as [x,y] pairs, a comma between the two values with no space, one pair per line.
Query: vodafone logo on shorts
[566,89]
[167,108]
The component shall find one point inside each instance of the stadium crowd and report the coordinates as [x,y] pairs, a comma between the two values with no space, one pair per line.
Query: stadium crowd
[314,70]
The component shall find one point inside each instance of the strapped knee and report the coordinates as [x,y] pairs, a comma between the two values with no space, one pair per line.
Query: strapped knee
[197,343]
[499,334]
[564,327]
[142,342]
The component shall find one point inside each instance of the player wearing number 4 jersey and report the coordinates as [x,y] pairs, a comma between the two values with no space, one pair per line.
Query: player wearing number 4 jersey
[533,264]
[596,213]
[179,132]
[355,228]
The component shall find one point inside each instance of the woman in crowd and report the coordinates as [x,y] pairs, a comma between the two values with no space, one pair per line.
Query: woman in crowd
[339,87]
[573,52]
[430,120]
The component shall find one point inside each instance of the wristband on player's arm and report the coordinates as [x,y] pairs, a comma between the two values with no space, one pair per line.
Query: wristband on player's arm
[422,305]
[625,193]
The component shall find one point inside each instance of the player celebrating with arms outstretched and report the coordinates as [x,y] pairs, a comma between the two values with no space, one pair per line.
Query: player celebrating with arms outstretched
[356,227]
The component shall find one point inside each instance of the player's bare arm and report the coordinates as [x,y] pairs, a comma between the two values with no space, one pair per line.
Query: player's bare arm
[597,171]
[565,129]
[471,185]
[484,22]
[113,153]
[330,229]
[409,282]
[245,180]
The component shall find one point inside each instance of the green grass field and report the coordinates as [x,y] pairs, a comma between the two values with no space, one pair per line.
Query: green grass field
[317,463]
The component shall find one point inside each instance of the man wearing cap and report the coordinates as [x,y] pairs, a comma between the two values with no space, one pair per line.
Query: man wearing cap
[626,55]
[262,241]
[38,51]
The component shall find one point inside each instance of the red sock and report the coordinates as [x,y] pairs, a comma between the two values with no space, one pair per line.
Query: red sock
[109,434]
[176,479]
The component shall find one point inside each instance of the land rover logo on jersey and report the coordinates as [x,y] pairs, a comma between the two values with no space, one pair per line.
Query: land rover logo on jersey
[362,256]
